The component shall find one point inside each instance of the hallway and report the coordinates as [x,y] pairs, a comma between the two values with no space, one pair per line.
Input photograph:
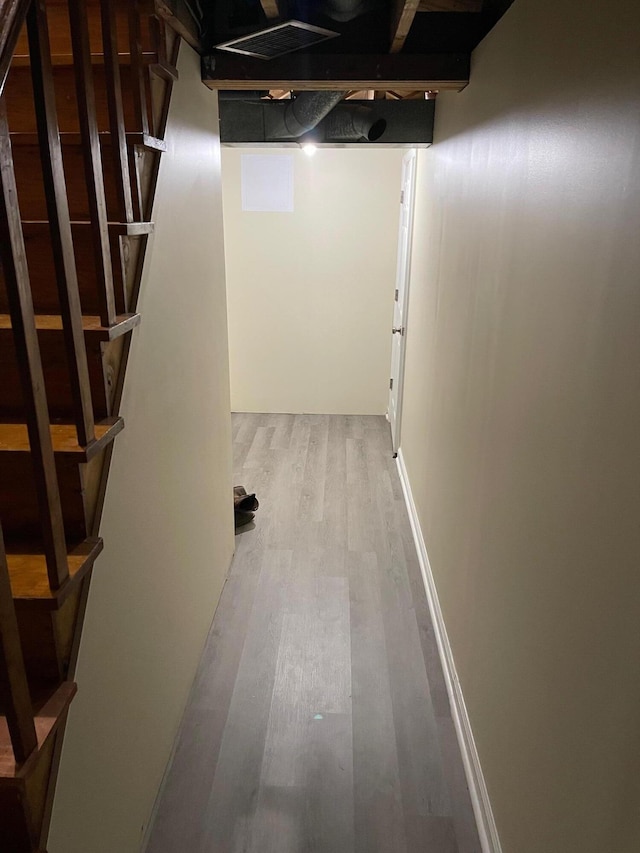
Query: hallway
[319,719]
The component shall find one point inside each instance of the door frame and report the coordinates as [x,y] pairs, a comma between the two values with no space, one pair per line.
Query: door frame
[411,159]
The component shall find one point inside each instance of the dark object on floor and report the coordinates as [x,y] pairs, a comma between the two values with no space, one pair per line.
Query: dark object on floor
[244,506]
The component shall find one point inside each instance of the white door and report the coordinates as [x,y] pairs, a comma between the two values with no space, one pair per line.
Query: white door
[400,304]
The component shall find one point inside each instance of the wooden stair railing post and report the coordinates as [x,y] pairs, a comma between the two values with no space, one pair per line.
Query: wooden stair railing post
[159,37]
[138,69]
[92,157]
[59,220]
[139,75]
[16,276]
[12,15]
[116,111]
[14,689]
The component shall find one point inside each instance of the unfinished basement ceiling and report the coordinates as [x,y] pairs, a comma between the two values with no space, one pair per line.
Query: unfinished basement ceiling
[368,53]
[381,46]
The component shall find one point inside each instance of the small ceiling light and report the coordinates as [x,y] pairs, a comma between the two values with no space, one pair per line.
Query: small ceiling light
[309,149]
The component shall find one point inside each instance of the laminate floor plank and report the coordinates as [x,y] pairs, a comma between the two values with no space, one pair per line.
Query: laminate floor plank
[420,764]
[332,530]
[328,804]
[259,449]
[282,434]
[233,797]
[424,791]
[312,685]
[311,507]
[319,720]
[247,424]
[289,481]
[240,452]
[466,831]
[379,817]
[362,521]
[179,823]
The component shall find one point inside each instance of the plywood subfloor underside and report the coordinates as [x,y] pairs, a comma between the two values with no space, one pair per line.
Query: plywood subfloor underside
[319,719]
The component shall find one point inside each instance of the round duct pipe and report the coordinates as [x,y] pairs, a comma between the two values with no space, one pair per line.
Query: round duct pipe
[351,123]
[347,10]
[307,110]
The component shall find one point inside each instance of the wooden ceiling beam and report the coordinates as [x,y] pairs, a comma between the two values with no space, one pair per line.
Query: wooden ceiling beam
[402,14]
[449,5]
[303,71]
[271,10]
[359,95]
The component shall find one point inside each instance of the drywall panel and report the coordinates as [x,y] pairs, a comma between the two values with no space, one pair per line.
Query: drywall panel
[521,427]
[167,524]
[311,291]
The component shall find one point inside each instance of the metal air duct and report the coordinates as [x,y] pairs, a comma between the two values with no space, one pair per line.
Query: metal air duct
[351,123]
[304,113]
[259,121]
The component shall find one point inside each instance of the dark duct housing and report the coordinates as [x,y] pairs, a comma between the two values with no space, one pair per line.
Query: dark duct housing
[258,121]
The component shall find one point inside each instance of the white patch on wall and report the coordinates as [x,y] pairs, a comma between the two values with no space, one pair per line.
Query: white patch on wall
[267,183]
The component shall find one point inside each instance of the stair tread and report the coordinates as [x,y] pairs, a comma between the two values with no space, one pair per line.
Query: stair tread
[90,323]
[29,579]
[164,69]
[71,138]
[46,722]
[130,229]
[22,60]
[14,438]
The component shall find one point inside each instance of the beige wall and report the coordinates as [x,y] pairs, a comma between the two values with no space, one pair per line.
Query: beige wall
[311,292]
[167,523]
[521,427]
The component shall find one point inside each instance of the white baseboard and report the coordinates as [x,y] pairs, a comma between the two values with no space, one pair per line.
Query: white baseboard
[475,779]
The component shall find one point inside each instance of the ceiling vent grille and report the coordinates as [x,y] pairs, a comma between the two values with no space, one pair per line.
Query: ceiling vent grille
[277,41]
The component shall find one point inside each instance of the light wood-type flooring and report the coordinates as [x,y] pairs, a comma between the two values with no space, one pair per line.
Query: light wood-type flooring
[319,720]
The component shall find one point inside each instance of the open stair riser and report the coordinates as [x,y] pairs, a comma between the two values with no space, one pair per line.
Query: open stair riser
[103,347]
[126,241]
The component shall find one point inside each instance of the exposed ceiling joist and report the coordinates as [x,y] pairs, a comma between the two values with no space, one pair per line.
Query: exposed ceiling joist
[359,95]
[449,71]
[271,10]
[450,6]
[402,14]
[406,94]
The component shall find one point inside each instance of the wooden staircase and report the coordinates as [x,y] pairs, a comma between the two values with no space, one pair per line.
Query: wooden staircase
[85,88]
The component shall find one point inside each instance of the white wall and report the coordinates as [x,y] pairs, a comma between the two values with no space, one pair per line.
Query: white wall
[311,292]
[167,522]
[521,427]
